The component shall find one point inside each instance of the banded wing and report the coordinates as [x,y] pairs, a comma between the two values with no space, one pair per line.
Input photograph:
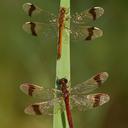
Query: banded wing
[82,31]
[32,9]
[35,28]
[84,102]
[88,86]
[44,107]
[92,14]
[78,32]
[37,91]
[85,32]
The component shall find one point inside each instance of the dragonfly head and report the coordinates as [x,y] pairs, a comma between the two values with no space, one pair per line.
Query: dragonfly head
[62,81]
[62,10]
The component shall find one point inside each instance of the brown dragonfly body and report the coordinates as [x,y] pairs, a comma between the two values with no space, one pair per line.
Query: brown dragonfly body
[78,30]
[64,88]
[77,96]
[61,20]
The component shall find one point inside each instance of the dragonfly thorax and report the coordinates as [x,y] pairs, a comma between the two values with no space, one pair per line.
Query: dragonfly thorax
[62,85]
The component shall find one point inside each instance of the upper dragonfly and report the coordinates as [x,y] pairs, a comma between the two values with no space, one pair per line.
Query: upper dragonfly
[76,97]
[80,31]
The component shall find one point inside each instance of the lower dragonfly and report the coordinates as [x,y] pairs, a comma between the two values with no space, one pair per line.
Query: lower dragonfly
[66,97]
[78,30]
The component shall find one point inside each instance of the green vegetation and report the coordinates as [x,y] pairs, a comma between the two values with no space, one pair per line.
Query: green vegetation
[63,66]
[24,58]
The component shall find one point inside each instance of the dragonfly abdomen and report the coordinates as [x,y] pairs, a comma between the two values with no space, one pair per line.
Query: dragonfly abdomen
[60,29]
[68,111]
[64,88]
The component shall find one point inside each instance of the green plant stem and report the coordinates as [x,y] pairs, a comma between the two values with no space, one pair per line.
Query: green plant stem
[63,67]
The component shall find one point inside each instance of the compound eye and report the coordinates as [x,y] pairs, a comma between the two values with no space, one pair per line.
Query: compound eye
[65,80]
[62,81]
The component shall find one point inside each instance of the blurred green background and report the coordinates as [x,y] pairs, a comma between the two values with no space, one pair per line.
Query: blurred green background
[24,58]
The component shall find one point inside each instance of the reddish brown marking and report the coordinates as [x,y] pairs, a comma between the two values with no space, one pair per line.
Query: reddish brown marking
[36,109]
[90,33]
[60,27]
[97,78]
[31,9]
[97,100]
[30,89]
[33,25]
[93,12]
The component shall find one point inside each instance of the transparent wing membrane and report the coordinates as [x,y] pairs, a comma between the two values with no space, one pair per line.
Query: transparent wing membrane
[33,27]
[78,96]
[85,32]
[84,102]
[36,28]
[31,9]
[43,107]
[40,29]
[38,91]
[78,32]
[92,13]
[88,86]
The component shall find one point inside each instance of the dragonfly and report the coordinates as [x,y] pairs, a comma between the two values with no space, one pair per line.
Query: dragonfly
[78,28]
[66,97]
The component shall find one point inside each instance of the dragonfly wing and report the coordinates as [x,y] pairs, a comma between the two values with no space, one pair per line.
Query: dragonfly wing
[92,13]
[31,9]
[42,107]
[91,84]
[34,28]
[84,102]
[38,91]
[85,32]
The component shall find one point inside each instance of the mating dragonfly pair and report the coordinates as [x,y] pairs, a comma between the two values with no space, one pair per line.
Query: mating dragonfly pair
[78,96]
[64,96]
[78,29]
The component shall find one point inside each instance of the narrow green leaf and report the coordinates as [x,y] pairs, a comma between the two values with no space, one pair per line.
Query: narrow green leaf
[63,67]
